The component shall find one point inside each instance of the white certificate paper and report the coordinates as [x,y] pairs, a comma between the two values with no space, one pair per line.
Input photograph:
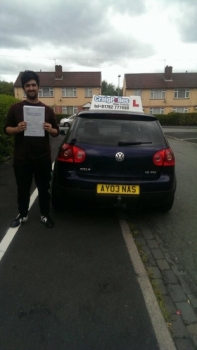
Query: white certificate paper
[35,117]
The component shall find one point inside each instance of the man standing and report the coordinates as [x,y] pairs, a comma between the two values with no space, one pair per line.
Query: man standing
[32,154]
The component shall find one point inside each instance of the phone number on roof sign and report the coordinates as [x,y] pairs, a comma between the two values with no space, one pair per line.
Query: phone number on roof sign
[111,99]
[111,107]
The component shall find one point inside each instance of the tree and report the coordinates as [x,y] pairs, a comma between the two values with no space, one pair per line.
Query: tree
[6,88]
[110,89]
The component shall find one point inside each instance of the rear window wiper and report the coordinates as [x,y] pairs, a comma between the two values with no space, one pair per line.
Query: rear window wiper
[126,143]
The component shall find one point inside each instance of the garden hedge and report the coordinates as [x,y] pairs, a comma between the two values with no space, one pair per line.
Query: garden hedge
[173,119]
[6,142]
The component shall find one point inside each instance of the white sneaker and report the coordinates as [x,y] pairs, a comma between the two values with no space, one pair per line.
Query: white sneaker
[47,221]
[19,220]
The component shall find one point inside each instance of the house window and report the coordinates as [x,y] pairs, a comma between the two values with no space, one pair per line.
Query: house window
[138,92]
[45,92]
[88,92]
[180,109]
[181,93]
[69,110]
[157,94]
[156,110]
[69,92]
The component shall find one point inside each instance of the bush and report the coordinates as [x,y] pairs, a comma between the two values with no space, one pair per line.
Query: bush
[177,119]
[6,142]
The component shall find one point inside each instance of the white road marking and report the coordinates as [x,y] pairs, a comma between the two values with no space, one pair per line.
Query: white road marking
[7,239]
[159,325]
[190,138]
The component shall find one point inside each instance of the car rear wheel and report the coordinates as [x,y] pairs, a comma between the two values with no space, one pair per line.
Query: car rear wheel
[167,206]
[66,124]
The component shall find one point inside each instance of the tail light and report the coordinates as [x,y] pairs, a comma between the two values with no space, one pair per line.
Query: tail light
[71,154]
[164,157]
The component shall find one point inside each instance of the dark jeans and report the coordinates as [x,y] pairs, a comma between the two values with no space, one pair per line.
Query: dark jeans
[24,173]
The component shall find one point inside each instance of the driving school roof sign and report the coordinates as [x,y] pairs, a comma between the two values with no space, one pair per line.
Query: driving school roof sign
[118,103]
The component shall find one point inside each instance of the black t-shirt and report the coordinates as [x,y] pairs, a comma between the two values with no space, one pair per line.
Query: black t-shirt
[28,147]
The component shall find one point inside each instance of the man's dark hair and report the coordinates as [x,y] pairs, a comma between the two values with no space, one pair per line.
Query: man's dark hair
[29,75]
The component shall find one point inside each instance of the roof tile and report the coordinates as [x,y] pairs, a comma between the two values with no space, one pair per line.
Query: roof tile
[157,81]
[69,79]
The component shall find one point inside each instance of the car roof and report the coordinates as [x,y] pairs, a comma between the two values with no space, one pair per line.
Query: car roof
[95,112]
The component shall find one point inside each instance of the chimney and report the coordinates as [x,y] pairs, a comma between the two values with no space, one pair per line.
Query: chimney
[58,72]
[168,73]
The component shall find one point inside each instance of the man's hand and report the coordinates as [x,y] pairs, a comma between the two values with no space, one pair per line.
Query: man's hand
[49,129]
[22,126]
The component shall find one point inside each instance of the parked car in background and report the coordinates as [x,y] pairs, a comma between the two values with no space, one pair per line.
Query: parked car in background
[115,154]
[67,121]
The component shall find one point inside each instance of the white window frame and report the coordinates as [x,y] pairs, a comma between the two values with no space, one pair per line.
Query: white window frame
[178,91]
[161,110]
[50,92]
[155,92]
[177,109]
[65,109]
[88,92]
[138,92]
[69,92]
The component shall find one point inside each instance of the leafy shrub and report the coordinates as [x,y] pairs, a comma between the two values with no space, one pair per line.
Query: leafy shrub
[6,142]
[6,88]
[177,118]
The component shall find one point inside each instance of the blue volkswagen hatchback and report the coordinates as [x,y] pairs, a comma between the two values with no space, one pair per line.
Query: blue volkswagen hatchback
[114,156]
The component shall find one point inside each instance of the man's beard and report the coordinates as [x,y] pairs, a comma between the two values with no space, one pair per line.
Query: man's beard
[32,96]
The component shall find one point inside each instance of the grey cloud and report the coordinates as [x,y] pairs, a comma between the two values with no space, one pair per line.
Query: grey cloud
[61,22]
[111,48]
[128,7]
[15,41]
[118,46]
[8,67]
[75,25]
[188,25]
[12,66]
[185,18]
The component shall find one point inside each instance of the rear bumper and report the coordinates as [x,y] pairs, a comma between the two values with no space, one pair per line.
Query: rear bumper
[147,198]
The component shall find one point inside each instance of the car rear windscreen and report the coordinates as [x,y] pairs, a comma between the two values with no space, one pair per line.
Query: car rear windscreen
[115,131]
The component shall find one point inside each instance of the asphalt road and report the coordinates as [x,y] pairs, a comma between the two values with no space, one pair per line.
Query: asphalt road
[74,287]
[182,133]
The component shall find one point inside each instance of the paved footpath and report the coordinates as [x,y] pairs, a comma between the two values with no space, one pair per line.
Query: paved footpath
[178,289]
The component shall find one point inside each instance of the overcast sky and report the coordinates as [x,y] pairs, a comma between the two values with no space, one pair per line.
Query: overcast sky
[111,36]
